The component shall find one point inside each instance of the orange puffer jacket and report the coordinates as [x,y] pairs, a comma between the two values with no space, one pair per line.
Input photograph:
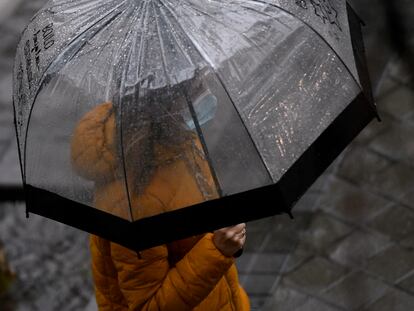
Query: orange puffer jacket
[190,274]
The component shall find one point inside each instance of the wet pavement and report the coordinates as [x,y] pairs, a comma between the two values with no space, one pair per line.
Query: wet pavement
[350,247]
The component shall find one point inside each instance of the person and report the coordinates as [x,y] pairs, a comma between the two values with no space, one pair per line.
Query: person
[196,273]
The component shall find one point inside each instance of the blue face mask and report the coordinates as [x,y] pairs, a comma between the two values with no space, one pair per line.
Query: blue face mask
[205,108]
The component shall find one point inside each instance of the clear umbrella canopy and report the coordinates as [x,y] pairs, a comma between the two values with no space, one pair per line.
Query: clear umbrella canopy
[123,107]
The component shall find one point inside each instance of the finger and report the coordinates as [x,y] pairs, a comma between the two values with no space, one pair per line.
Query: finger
[237,228]
[239,243]
[230,232]
[240,226]
[241,231]
[243,241]
[240,237]
[237,237]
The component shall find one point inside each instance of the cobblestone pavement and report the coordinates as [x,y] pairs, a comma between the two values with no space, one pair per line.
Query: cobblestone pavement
[350,247]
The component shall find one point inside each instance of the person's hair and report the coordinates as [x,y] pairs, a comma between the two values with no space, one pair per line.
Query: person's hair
[152,132]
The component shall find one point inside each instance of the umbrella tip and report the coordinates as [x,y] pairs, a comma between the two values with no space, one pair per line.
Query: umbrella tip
[290,214]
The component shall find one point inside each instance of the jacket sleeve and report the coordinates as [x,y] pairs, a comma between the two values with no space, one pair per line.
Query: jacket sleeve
[149,283]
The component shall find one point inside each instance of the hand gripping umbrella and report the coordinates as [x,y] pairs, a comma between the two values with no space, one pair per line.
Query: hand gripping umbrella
[146,121]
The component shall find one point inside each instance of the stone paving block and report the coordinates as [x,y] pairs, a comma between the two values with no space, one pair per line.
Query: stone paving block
[392,264]
[268,263]
[315,275]
[398,69]
[388,85]
[407,283]
[285,299]
[377,61]
[394,300]
[260,263]
[351,203]
[360,165]
[408,242]
[316,304]
[256,233]
[396,221]
[358,247]
[282,241]
[244,262]
[308,202]
[322,232]
[262,225]
[355,290]
[301,221]
[284,234]
[373,129]
[396,143]
[408,199]
[399,104]
[254,241]
[320,184]
[295,259]
[257,302]
[394,182]
[258,284]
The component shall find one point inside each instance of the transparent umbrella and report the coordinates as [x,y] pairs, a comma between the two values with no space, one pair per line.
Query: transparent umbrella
[185,115]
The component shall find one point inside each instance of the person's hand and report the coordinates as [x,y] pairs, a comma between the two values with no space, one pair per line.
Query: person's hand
[230,239]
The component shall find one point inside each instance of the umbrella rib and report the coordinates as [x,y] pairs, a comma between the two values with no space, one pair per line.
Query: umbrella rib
[164,61]
[121,126]
[17,136]
[203,143]
[122,86]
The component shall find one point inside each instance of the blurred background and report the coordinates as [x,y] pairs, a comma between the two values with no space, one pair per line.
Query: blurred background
[350,246]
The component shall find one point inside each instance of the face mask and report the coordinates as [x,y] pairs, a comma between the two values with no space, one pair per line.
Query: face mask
[205,107]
